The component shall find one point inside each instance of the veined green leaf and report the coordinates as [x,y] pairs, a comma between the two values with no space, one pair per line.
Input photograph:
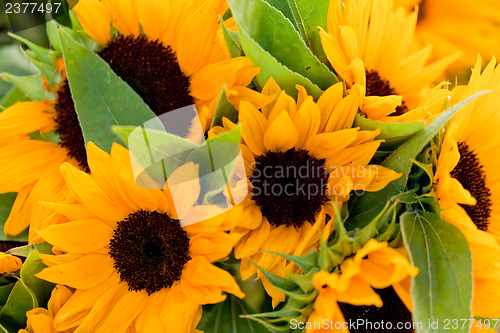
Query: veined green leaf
[224,317]
[394,134]
[276,34]
[371,203]
[441,253]
[286,78]
[308,15]
[101,98]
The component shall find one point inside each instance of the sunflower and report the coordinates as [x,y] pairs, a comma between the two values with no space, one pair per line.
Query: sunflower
[467,182]
[301,159]
[348,293]
[441,23]
[126,255]
[369,43]
[9,263]
[167,51]
[40,320]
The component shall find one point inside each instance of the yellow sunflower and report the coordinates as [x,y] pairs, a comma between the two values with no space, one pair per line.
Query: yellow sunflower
[467,182]
[126,255]
[301,158]
[168,51]
[369,43]
[348,294]
[9,263]
[451,26]
[41,320]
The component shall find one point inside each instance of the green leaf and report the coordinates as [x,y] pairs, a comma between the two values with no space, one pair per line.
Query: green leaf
[32,86]
[5,292]
[6,202]
[394,134]
[442,255]
[276,34]
[286,78]
[13,96]
[371,203]
[232,40]
[13,313]
[41,288]
[224,108]
[308,15]
[101,98]
[224,317]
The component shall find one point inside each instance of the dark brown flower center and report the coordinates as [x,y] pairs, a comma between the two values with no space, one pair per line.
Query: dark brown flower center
[376,86]
[393,316]
[289,187]
[149,250]
[150,68]
[470,173]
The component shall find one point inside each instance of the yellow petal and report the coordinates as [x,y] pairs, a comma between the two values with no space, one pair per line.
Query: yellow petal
[253,127]
[95,20]
[307,121]
[9,263]
[78,236]
[281,134]
[83,273]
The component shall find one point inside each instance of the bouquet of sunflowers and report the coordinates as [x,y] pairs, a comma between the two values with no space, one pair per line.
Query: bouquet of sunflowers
[235,166]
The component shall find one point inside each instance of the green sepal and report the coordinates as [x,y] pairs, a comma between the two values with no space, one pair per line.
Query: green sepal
[370,204]
[232,39]
[224,108]
[40,57]
[31,86]
[376,225]
[13,96]
[34,51]
[305,263]
[304,280]
[285,285]
[441,253]
[32,266]
[24,251]
[394,134]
